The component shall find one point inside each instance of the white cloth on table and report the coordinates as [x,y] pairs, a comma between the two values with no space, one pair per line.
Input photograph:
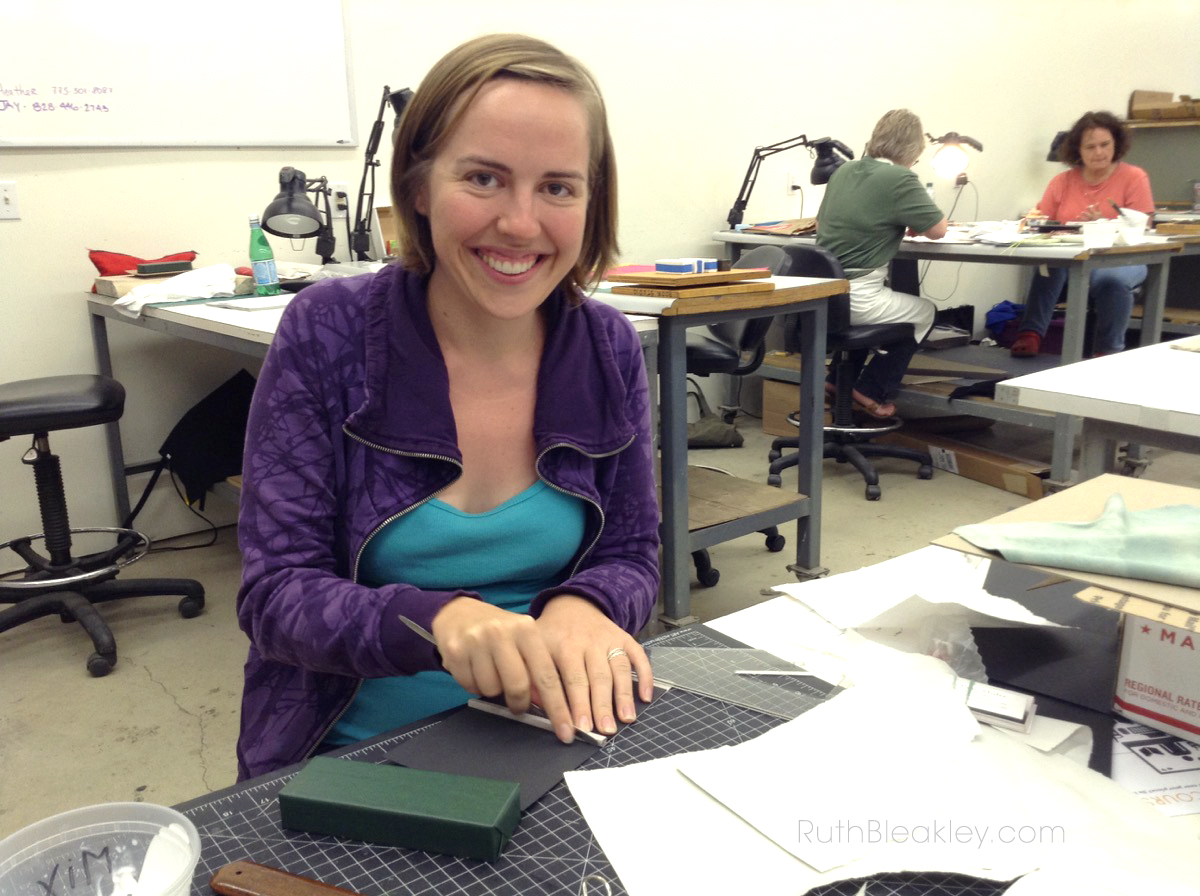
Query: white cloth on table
[202,283]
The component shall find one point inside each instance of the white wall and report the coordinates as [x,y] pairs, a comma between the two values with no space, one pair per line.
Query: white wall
[692,88]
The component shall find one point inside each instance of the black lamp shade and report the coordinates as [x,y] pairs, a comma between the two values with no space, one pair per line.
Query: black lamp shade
[290,213]
[826,164]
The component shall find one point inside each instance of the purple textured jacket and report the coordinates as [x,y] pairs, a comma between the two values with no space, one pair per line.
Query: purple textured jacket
[350,427]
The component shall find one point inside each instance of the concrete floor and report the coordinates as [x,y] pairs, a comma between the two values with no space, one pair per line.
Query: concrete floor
[161,727]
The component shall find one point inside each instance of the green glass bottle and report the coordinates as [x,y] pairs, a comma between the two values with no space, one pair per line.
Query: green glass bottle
[262,260]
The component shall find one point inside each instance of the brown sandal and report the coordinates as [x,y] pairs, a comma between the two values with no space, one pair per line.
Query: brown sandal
[879,410]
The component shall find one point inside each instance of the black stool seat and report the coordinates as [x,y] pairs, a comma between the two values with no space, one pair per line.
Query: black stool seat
[866,336]
[58,581]
[707,354]
[58,402]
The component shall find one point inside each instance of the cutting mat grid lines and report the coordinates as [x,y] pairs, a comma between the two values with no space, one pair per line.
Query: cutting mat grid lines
[552,849]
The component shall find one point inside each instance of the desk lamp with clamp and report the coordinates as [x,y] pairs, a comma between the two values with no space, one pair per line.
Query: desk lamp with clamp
[950,160]
[830,155]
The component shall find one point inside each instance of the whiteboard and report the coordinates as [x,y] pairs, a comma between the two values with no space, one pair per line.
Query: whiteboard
[214,73]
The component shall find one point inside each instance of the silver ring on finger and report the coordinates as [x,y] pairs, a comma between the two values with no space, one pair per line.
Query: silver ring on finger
[616,652]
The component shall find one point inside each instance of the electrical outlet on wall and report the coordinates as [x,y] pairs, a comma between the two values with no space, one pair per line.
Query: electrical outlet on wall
[8,201]
[340,199]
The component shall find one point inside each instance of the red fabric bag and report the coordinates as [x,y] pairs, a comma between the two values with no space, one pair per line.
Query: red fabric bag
[110,264]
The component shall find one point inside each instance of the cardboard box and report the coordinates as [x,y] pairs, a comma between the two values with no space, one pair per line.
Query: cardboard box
[778,400]
[117,286]
[387,229]
[1158,663]
[1013,474]
[1154,105]
[1158,680]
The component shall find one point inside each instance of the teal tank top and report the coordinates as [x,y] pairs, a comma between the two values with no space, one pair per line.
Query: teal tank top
[508,555]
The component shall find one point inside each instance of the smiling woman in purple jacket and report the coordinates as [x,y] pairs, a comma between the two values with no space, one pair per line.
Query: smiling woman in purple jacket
[448,485]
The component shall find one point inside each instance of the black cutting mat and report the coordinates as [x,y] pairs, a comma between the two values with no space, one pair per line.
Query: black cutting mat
[552,849]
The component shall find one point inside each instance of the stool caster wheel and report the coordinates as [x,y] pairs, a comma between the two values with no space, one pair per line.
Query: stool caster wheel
[99,665]
[774,455]
[775,543]
[775,479]
[874,493]
[925,472]
[190,607]
[708,577]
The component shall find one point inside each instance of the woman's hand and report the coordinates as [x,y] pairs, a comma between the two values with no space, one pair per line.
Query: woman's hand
[595,660]
[491,651]
[559,661]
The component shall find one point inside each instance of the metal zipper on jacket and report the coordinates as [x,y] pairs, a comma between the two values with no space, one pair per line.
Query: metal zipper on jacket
[603,519]
[418,454]
[358,557]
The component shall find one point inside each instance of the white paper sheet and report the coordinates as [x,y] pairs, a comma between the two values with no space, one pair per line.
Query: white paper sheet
[861,759]
[639,812]
[795,632]
[792,632]
[910,588]
[1056,736]
[254,303]
[1161,769]
[992,807]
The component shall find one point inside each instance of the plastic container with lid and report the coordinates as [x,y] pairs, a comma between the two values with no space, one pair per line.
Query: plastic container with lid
[112,849]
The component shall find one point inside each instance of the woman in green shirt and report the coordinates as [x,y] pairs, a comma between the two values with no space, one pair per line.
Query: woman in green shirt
[869,206]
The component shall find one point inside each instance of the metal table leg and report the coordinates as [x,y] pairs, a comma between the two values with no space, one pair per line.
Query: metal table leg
[672,379]
[112,431]
[810,464]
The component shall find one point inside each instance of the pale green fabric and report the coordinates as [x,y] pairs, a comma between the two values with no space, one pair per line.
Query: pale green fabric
[1161,544]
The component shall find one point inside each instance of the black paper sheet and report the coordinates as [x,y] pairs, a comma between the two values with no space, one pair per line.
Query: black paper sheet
[471,742]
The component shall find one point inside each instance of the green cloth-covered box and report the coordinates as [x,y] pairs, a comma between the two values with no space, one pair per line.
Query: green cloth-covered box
[389,804]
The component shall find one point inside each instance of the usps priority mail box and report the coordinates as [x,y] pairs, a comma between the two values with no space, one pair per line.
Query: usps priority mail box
[1158,680]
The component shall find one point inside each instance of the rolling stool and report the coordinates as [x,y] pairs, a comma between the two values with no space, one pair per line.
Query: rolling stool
[849,346]
[59,582]
[848,440]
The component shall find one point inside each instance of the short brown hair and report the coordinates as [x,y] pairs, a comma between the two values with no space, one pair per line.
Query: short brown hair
[1068,150]
[898,137]
[438,105]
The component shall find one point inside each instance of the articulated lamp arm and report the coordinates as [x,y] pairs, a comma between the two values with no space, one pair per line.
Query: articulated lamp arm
[825,146]
[360,242]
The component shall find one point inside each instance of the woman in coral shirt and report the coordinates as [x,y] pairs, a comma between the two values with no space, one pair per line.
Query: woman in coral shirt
[1096,180]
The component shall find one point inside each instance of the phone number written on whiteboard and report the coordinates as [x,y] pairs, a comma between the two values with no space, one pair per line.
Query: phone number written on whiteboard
[57,99]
